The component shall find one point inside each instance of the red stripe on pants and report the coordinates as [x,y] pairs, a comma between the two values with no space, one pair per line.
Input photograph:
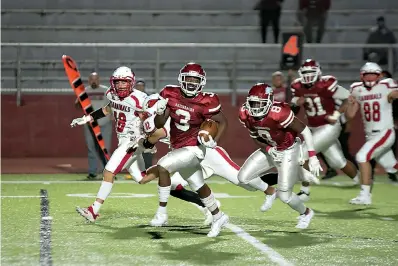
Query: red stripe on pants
[122,163]
[378,144]
[226,158]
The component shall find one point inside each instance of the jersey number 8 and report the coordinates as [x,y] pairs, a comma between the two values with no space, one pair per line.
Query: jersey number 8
[371,112]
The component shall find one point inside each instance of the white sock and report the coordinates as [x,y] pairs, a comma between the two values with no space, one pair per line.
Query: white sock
[164,193]
[162,210]
[96,207]
[356,178]
[217,215]
[305,189]
[103,193]
[258,184]
[366,188]
[210,202]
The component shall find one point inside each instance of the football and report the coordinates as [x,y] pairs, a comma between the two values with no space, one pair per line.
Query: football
[211,127]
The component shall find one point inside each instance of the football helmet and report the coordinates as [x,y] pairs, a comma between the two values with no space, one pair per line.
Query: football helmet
[310,71]
[192,79]
[260,100]
[370,68]
[122,81]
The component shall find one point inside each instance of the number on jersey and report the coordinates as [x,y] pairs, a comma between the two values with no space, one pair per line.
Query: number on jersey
[120,121]
[267,136]
[371,111]
[314,106]
[185,116]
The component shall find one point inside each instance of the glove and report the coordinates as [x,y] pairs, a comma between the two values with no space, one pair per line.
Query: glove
[81,120]
[276,155]
[211,143]
[314,165]
[161,105]
[134,145]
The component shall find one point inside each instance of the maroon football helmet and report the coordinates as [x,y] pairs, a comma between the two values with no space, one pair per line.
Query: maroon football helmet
[260,100]
[192,79]
[310,71]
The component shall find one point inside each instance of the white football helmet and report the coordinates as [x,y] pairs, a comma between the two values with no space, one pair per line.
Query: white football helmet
[122,81]
[370,68]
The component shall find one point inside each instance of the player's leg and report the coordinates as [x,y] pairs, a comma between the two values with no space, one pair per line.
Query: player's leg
[195,180]
[288,171]
[256,165]
[118,161]
[374,147]
[388,161]
[335,157]
[222,165]
[172,162]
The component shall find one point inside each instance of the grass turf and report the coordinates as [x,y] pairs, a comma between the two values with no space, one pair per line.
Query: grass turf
[340,234]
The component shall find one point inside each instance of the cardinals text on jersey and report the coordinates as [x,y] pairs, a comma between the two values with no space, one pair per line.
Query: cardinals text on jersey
[127,122]
[187,114]
[375,109]
[273,127]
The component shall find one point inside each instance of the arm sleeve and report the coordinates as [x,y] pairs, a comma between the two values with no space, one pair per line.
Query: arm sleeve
[341,93]
[213,106]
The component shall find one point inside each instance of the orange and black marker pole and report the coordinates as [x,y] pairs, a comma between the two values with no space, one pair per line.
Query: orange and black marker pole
[77,85]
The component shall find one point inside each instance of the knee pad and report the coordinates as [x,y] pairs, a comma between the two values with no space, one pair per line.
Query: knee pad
[243,178]
[360,157]
[285,196]
[338,164]
[195,183]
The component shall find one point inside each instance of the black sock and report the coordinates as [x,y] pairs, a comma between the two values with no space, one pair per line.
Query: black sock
[187,195]
[270,178]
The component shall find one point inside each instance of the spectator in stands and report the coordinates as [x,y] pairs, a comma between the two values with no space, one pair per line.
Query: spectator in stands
[270,11]
[379,35]
[314,12]
[148,157]
[278,84]
[97,94]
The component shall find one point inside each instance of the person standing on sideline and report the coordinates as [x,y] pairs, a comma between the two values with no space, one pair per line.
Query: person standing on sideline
[96,92]
[148,157]
[314,13]
[270,11]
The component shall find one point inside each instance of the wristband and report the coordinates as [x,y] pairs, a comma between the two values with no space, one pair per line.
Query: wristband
[97,114]
[311,153]
[267,148]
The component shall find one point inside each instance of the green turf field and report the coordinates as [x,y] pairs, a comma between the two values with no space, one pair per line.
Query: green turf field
[340,234]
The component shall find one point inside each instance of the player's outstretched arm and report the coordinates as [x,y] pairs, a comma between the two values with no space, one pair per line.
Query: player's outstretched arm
[222,124]
[313,163]
[160,119]
[352,108]
[97,114]
[392,96]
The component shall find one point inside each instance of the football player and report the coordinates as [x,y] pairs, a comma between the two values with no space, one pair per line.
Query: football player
[187,106]
[274,127]
[125,104]
[319,95]
[374,97]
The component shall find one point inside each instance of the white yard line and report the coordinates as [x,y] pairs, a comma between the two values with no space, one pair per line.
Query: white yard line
[47,182]
[21,196]
[271,253]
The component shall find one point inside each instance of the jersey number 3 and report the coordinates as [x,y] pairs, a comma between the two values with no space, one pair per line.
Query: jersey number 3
[185,116]
[371,112]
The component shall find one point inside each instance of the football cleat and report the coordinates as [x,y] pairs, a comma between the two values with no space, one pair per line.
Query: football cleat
[87,213]
[269,200]
[303,196]
[362,199]
[217,225]
[305,220]
[160,219]
[208,216]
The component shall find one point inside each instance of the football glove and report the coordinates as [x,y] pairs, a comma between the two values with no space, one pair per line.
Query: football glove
[161,105]
[211,143]
[81,120]
[314,166]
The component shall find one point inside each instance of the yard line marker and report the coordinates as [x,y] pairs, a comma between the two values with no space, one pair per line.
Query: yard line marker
[45,230]
[35,196]
[272,254]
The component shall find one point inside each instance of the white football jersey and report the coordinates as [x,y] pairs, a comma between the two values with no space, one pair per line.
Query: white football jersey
[127,122]
[375,109]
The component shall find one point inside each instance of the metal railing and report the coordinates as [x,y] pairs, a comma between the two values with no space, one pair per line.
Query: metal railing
[159,46]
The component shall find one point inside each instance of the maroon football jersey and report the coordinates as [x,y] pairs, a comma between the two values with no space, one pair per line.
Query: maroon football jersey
[273,128]
[187,114]
[319,102]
